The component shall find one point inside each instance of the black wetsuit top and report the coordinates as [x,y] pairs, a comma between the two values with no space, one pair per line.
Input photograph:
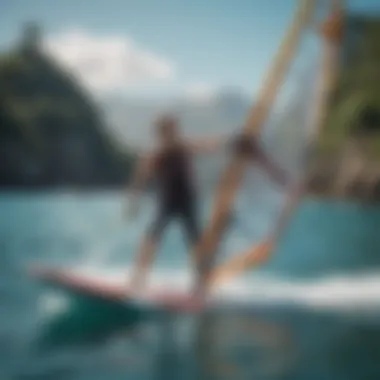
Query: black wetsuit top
[176,192]
[174,175]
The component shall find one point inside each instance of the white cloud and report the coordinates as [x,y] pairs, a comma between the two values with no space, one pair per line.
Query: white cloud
[200,92]
[107,63]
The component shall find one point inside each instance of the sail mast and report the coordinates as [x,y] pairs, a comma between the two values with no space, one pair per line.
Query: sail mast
[332,34]
[233,175]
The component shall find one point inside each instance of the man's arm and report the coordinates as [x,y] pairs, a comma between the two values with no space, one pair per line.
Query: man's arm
[142,174]
[208,144]
[250,148]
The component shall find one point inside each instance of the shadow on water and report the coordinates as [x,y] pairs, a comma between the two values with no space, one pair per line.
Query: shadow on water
[355,353]
[285,342]
[88,322]
[242,345]
[225,345]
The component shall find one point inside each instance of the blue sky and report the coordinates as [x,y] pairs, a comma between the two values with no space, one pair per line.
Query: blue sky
[211,42]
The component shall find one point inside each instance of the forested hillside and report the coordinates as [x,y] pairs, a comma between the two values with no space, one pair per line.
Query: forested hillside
[346,161]
[51,133]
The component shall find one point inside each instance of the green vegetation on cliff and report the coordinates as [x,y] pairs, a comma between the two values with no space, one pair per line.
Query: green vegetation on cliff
[51,134]
[345,163]
[355,105]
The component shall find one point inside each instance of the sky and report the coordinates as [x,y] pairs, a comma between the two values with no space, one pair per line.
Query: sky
[157,46]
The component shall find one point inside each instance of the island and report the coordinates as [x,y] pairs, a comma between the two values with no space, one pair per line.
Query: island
[345,162]
[52,134]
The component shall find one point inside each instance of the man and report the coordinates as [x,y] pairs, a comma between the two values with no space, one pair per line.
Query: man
[170,164]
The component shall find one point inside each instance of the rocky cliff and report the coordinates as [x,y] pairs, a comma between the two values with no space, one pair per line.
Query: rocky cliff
[346,161]
[51,133]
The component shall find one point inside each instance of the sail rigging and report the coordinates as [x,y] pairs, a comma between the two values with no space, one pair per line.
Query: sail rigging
[332,34]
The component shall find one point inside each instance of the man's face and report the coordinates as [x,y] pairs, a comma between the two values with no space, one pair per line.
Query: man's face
[168,130]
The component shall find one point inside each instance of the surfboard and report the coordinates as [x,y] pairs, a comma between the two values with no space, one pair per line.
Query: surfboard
[101,290]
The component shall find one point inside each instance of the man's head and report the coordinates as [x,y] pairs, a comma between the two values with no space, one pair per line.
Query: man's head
[167,128]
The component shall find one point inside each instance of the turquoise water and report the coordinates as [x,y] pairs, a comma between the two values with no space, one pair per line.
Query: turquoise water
[310,313]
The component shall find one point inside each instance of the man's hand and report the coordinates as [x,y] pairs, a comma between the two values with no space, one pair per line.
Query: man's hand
[243,145]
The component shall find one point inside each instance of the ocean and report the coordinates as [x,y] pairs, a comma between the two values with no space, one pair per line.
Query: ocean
[311,312]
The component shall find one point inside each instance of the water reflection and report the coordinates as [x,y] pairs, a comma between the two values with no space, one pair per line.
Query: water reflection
[242,345]
[86,322]
[273,343]
[354,353]
[282,343]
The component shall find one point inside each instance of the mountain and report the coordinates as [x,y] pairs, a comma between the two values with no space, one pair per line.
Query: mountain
[51,132]
[133,119]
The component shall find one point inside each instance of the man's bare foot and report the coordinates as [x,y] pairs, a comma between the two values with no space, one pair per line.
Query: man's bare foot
[135,287]
[197,298]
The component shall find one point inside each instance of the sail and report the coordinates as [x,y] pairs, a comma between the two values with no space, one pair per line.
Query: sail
[256,255]
[233,175]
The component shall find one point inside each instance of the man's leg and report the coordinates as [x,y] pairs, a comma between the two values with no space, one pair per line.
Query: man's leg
[146,253]
[144,261]
[189,218]
[190,222]
[203,265]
